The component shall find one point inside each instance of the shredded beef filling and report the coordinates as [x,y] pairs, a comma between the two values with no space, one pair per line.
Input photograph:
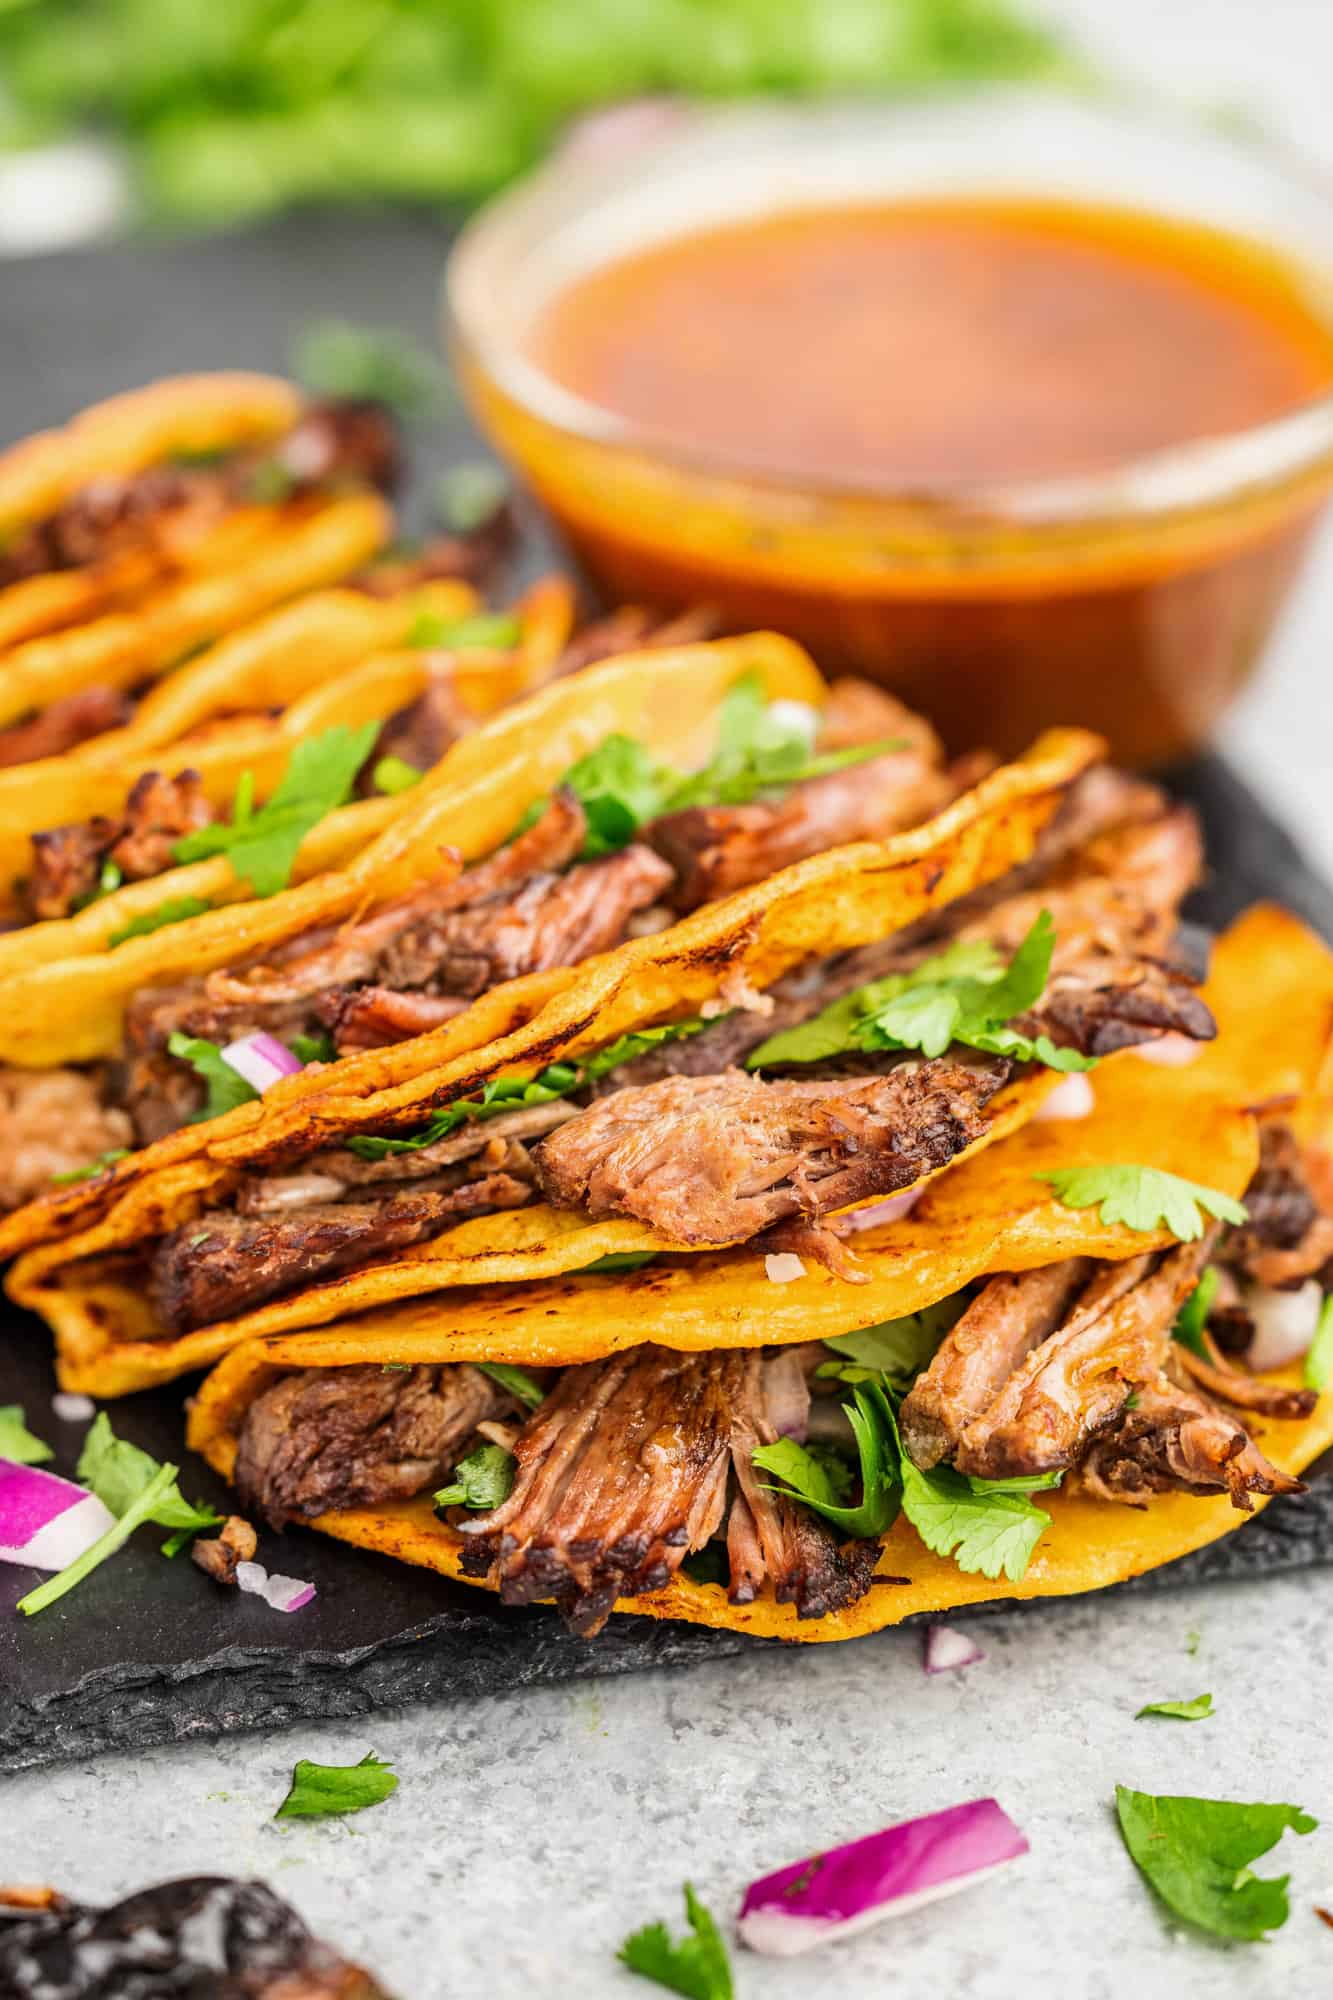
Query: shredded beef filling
[357,1437]
[53,1122]
[68,861]
[65,724]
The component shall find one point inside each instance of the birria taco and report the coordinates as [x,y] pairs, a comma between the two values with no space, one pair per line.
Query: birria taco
[160,520]
[422,666]
[1073,1361]
[1035,912]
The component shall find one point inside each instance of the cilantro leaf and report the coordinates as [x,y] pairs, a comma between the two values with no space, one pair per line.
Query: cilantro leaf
[140,1509]
[17,1442]
[898,1348]
[516,1380]
[262,846]
[620,786]
[497,630]
[394,775]
[226,1087]
[1196,1854]
[1319,1360]
[318,1047]
[107,1159]
[988,1527]
[1193,1315]
[810,1479]
[620,1260]
[174,911]
[468,495]
[118,1472]
[318,1790]
[626,1047]
[500,1095]
[338,359]
[965,994]
[1143,1198]
[697,1966]
[1182,1711]
[764,746]
[481,1480]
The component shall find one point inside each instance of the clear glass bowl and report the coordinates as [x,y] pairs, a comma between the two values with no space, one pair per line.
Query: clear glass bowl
[1137,600]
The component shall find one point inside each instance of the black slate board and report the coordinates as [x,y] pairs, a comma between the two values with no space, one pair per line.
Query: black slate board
[146,1652]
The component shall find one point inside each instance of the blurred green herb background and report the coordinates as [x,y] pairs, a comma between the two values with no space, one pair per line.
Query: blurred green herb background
[232,108]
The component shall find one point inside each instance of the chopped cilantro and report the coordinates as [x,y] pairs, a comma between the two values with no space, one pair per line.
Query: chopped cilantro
[1181,1711]
[697,1966]
[626,1047]
[393,775]
[898,1348]
[468,495]
[318,1047]
[269,483]
[500,1095]
[989,1527]
[103,1160]
[262,846]
[174,911]
[1196,1854]
[109,879]
[516,1380]
[620,1260]
[118,1472]
[812,1480]
[226,1088]
[142,1508]
[965,994]
[17,1442]
[1143,1198]
[318,1790]
[494,630]
[481,1480]
[1319,1360]
[373,364]
[1193,1315]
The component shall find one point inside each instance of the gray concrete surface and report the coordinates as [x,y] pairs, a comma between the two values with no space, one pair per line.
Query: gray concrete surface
[529,1835]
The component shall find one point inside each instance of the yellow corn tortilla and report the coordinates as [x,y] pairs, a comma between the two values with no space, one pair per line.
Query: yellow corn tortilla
[311,543]
[91,1292]
[1272,989]
[289,663]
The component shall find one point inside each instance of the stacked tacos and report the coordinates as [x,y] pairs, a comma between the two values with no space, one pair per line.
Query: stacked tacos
[1034,1388]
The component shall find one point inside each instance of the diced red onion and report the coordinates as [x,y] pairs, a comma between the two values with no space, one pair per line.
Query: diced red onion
[262,1060]
[46,1521]
[892,1209]
[781,1266]
[845,1890]
[1284,1324]
[284,1593]
[1172,1051]
[73,1409]
[948,1648]
[797,716]
[1072,1098]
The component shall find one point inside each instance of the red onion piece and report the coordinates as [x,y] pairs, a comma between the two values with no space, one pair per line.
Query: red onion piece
[284,1593]
[1172,1051]
[892,1209]
[73,1409]
[46,1521]
[947,1648]
[1284,1324]
[1072,1098]
[262,1060]
[847,1889]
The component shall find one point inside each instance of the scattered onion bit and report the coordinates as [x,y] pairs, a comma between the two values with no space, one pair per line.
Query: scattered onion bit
[846,1889]
[284,1593]
[262,1060]
[892,1209]
[1172,1051]
[947,1648]
[1073,1097]
[45,1521]
[781,1266]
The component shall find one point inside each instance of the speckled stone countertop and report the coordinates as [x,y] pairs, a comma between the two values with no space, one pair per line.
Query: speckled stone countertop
[530,1833]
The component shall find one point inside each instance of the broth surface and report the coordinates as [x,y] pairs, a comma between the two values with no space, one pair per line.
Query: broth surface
[934,345]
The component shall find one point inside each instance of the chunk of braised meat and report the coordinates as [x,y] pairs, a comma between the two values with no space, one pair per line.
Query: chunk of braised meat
[714,850]
[1008,1318]
[53,1122]
[626,1467]
[206,1937]
[328,1438]
[419,733]
[67,861]
[64,724]
[1115,1338]
[1220,1378]
[1175,1439]
[113,515]
[634,628]
[717,1159]
[217,1555]
[1288,1237]
[343,439]
[475,558]
[225,1263]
